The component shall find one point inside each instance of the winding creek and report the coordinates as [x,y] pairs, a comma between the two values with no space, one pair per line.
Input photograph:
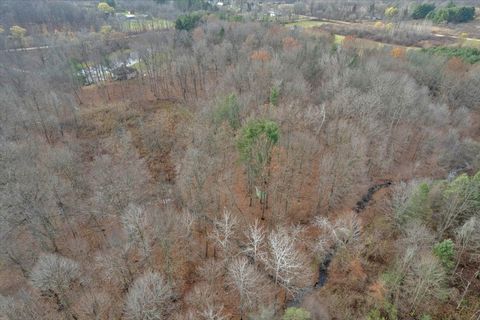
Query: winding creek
[323,267]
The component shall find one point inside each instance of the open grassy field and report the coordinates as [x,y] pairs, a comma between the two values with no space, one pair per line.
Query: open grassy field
[471,42]
[306,23]
[137,25]
[440,35]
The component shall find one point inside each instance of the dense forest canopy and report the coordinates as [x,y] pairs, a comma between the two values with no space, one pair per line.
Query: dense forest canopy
[196,160]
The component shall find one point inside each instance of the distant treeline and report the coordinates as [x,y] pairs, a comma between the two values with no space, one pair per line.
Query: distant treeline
[437,11]
[450,13]
[50,14]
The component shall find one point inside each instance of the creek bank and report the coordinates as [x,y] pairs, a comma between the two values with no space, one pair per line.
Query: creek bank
[323,268]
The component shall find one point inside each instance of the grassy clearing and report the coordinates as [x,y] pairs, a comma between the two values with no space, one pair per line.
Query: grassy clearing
[470,42]
[338,39]
[306,23]
[139,66]
[158,58]
[145,25]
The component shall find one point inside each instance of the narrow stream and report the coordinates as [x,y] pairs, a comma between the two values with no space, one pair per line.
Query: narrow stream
[323,268]
[362,204]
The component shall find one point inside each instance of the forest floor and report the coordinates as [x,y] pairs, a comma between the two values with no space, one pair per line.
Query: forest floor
[131,105]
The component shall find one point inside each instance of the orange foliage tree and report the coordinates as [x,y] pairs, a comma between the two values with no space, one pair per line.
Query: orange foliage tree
[289,43]
[261,55]
[398,52]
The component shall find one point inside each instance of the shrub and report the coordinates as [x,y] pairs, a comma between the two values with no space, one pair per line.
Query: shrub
[76,69]
[274,95]
[445,252]
[228,110]
[416,206]
[468,54]
[293,313]
[18,32]
[420,11]
[106,29]
[452,14]
[465,190]
[388,309]
[103,6]
[375,315]
[459,201]
[425,281]
[391,12]
[464,14]
[187,22]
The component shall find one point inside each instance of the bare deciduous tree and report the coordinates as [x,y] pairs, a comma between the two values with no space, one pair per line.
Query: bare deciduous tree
[211,270]
[460,202]
[224,231]
[195,166]
[24,307]
[135,223]
[247,282]
[426,279]
[256,241]
[115,268]
[205,300]
[55,275]
[117,182]
[97,306]
[285,261]
[343,230]
[468,237]
[213,313]
[148,298]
